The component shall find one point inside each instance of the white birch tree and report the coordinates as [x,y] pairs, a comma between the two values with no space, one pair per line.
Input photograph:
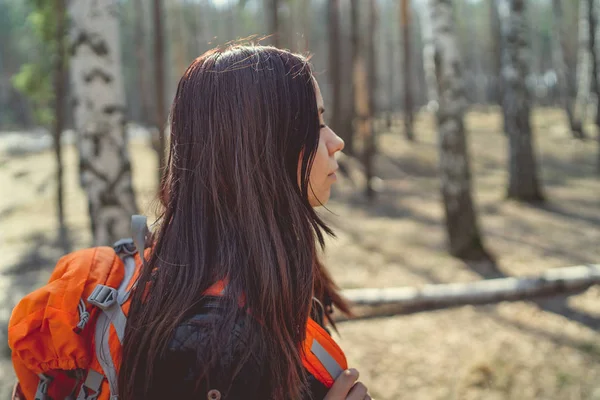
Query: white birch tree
[99,116]
[461,220]
[560,66]
[523,184]
[584,64]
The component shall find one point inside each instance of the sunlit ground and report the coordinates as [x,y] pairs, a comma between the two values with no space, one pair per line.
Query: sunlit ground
[508,351]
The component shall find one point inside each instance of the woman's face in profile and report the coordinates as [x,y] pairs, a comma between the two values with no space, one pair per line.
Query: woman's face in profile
[322,174]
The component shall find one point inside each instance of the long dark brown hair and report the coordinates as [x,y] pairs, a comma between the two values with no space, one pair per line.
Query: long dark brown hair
[242,122]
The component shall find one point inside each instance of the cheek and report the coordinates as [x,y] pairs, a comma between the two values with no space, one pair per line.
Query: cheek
[320,166]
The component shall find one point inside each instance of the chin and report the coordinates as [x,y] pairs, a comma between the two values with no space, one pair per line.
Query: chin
[320,200]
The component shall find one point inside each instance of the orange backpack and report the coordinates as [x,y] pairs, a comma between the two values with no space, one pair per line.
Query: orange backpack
[66,336]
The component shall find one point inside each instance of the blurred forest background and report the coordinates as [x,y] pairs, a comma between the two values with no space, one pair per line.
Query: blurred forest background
[472,155]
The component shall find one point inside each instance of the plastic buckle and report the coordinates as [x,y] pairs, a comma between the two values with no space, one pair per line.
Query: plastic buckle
[125,246]
[103,297]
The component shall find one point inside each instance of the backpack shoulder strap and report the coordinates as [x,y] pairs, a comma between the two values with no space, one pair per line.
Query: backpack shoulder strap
[139,231]
[110,300]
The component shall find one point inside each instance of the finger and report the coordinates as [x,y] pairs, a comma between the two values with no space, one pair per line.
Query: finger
[358,392]
[342,385]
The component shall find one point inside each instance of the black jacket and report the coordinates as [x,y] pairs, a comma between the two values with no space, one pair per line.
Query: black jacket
[175,376]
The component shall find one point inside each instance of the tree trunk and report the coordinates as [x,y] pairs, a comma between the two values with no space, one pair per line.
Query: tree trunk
[141,60]
[193,28]
[408,77]
[274,28]
[560,66]
[407,300]
[306,8]
[523,176]
[232,20]
[362,81]
[370,149]
[584,64]
[391,67]
[159,143]
[475,56]
[180,44]
[496,53]
[428,60]
[335,74]
[356,59]
[201,26]
[60,81]
[592,48]
[461,222]
[595,46]
[99,98]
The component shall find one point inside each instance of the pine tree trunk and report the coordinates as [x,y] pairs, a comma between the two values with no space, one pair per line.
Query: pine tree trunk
[595,46]
[371,142]
[362,92]
[523,176]
[408,76]
[391,73]
[99,98]
[192,26]
[306,10]
[201,26]
[496,53]
[159,142]
[428,60]
[141,60]
[584,64]
[60,89]
[274,28]
[180,45]
[479,95]
[356,59]
[593,87]
[560,66]
[461,222]
[335,73]
[231,23]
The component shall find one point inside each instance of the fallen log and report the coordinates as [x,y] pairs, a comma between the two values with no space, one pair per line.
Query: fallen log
[372,302]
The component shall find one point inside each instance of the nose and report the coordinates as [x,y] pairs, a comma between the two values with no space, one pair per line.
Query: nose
[337,143]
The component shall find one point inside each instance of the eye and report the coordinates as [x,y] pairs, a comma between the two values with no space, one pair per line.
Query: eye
[322,126]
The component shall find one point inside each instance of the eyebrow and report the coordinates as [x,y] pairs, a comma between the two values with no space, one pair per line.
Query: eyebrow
[321,110]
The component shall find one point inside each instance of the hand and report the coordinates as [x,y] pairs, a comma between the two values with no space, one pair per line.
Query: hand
[346,387]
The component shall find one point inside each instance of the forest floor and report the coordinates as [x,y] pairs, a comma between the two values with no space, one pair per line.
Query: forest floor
[548,349]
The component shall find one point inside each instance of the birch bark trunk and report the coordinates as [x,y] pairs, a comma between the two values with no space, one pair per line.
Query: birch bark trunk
[461,221]
[523,184]
[99,114]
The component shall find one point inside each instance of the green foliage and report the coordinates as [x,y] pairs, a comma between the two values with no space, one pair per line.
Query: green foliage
[34,79]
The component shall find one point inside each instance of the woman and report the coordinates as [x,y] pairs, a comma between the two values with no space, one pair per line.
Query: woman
[250,156]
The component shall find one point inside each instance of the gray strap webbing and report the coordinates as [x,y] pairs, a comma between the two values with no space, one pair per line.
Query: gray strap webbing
[42,390]
[326,359]
[139,230]
[113,315]
[122,292]
[117,318]
[91,387]
[103,352]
